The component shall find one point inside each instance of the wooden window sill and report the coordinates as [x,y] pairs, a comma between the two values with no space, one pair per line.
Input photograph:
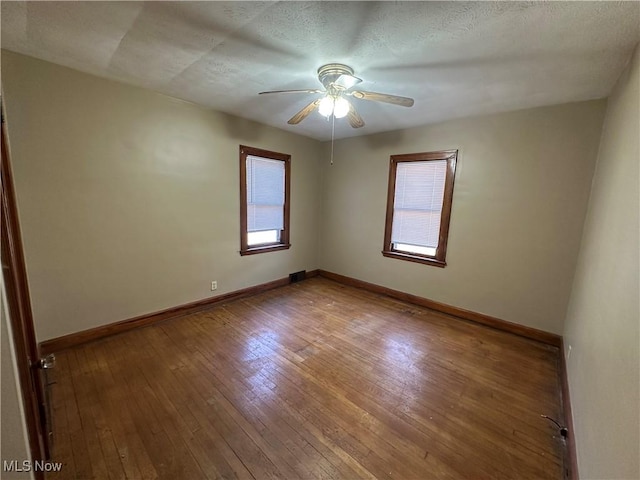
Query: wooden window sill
[414,258]
[265,248]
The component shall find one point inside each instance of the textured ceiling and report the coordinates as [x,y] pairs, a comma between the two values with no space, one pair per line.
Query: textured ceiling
[455,58]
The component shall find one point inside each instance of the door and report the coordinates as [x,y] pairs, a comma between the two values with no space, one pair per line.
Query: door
[31,368]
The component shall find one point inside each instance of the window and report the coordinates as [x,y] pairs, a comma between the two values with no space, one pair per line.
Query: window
[264,200]
[419,206]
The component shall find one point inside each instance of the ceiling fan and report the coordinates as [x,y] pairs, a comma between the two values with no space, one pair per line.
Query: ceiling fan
[338,81]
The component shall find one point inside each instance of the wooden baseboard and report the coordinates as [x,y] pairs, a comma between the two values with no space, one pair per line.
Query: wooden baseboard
[571,457]
[527,332]
[73,339]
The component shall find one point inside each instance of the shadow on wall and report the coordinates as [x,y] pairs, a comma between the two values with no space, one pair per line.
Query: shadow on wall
[387,139]
[243,129]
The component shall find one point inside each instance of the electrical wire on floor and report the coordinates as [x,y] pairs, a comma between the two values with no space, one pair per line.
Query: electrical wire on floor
[564,431]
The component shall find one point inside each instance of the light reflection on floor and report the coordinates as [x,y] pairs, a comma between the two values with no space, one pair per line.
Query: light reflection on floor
[262,360]
[401,351]
[404,361]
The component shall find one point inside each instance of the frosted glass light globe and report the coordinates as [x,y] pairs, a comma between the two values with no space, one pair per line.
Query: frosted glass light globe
[326,106]
[340,107]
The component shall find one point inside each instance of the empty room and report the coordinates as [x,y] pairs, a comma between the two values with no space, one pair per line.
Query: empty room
[320,240]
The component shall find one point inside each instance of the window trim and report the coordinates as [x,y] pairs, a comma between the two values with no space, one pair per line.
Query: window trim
[283,244]
[439,259]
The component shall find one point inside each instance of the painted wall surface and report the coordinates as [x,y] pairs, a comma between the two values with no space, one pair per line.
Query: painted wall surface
[603,320]
[520,196]
[129,200]
[14,440]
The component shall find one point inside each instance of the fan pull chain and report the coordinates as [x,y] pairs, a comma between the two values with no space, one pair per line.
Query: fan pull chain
[333,129]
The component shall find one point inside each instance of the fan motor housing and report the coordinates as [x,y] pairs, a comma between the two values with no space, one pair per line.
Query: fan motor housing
[329,73]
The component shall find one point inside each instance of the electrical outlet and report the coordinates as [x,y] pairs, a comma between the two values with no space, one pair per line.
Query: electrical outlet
[214,285]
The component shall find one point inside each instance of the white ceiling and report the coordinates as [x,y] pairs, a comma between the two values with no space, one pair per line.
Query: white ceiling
[455,58]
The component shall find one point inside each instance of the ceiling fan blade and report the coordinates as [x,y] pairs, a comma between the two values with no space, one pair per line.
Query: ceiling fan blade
[383,97]
[310,90]
[347,81]
[355,120]
[304,113]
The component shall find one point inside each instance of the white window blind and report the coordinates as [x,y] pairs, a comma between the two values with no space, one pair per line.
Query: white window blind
[417,207]
[265,194]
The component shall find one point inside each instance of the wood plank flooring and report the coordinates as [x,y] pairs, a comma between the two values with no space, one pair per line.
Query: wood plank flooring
[312,380]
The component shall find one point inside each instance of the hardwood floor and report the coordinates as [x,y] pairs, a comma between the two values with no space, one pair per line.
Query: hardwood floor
[311,380]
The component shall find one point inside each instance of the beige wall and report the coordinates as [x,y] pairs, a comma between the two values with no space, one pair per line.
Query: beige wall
[520,196]
[603,321]
[13,440]
[129,201]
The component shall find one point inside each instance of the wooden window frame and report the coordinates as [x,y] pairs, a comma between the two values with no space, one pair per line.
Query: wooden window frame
[283,244]
[439,259]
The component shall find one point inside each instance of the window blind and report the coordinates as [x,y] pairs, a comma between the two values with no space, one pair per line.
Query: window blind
[418,202]
[265,194]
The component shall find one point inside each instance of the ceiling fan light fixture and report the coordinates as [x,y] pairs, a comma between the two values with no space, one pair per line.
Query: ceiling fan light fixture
[334,105]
